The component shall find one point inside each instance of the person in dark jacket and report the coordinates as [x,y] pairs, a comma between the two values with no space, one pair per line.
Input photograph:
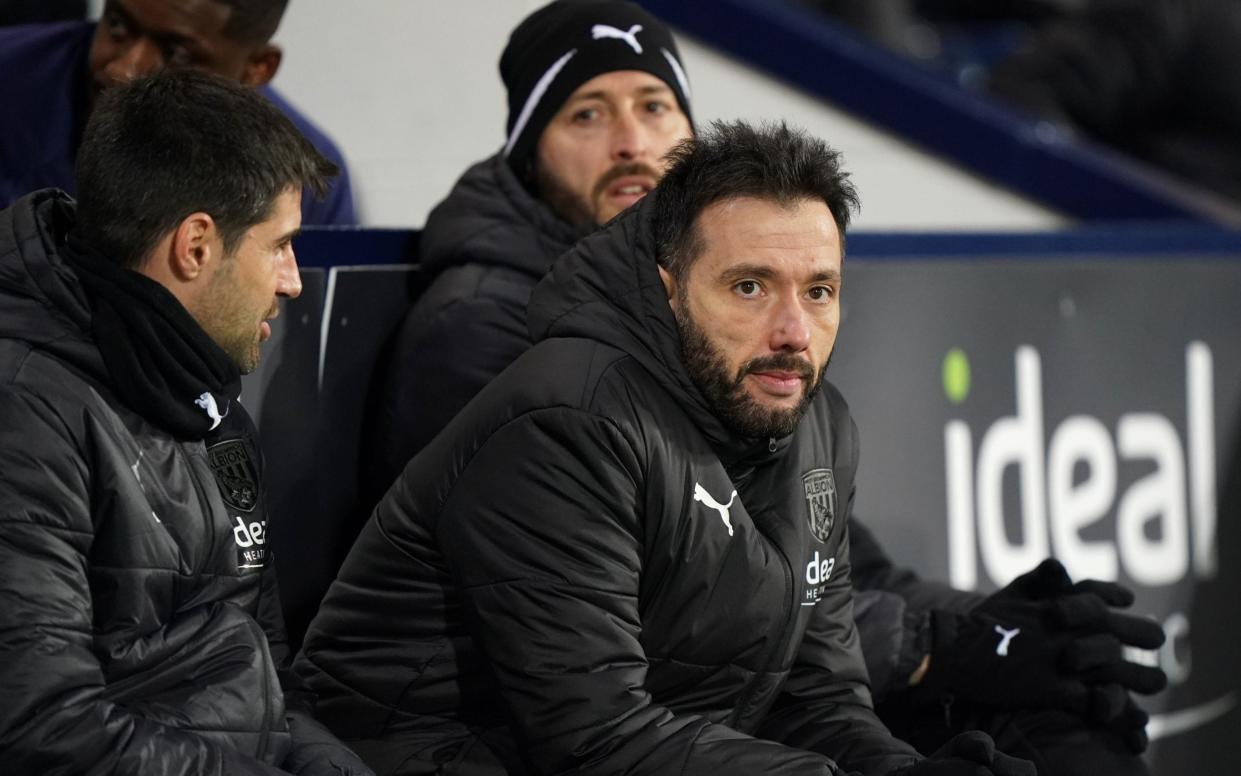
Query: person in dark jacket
[596,97]
[51,75]
[629,554]
[1157,79]
[488,244]
[140,629]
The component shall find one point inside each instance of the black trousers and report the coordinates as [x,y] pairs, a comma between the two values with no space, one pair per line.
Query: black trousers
[1058,743]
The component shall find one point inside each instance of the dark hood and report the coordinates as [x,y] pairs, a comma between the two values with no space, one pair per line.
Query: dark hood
[608,289]
[490,218]
[41,300]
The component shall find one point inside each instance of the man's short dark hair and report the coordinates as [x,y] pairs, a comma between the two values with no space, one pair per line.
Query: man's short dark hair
[179,142]
[253,21]
[735,159]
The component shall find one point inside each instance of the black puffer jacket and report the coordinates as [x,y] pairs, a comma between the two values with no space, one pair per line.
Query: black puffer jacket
[892,606]
[565,580]
[486,246]
[139,621]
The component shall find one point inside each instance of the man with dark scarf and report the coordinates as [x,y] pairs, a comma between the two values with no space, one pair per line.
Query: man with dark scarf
[140,629]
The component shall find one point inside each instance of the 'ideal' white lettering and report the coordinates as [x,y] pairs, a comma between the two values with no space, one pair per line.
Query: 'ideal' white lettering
[1154,514]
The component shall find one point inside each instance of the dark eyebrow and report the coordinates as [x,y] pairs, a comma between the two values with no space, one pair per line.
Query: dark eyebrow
[602,95]
[164,38]
[289,236]
[826,276]
[114,7]
[740,271]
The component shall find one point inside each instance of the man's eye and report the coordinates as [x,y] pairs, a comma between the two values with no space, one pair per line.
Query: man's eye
[655,106]
[748,288]
[585,116]
[115,25]
[822,293]
[178,56]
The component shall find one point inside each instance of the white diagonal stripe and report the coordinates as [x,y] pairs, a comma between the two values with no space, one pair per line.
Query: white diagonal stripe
[532,102]
[676,68]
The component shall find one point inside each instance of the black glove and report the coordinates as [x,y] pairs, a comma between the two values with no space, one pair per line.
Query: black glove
[316,752]
[1043,642]
[1130,726]
[971,753]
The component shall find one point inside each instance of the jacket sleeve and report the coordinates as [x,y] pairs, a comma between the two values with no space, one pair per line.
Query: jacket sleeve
[892,608]
[549,566]
[54,718]
[313,750]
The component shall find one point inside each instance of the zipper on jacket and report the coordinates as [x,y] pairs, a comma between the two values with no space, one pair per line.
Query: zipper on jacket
[777,647]
[946,703]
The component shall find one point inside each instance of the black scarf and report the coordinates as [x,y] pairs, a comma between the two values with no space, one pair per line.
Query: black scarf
[163,365]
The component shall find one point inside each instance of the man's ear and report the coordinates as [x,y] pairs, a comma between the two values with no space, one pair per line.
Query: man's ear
[194,246]
[670,287]
[262,65]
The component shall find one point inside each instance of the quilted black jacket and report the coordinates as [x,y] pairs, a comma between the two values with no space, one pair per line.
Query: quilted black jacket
[587,572]
[139,621]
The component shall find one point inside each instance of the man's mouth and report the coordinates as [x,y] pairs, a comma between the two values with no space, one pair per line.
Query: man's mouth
[632,181]
[265,324]
[781,376]
[780,383]
[632,186]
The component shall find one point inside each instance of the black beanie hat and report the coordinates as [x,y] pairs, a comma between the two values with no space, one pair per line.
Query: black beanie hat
[566,43]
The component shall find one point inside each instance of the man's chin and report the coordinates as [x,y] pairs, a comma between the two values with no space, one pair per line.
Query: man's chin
[614,206]
[605,213]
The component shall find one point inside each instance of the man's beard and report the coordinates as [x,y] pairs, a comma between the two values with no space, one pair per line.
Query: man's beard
[726,394]
[571,206]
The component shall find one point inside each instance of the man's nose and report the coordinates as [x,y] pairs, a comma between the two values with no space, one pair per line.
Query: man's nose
[629,138]
[790,329]
[142,57]
[290,281]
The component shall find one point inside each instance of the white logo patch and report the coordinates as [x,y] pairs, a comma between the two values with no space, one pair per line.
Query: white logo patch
[600,31]
[701,494]
[1005,637]
[207,402]
[250,539]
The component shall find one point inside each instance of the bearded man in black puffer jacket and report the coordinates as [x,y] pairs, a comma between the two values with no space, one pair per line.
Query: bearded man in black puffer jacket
[140,629]
[629,554]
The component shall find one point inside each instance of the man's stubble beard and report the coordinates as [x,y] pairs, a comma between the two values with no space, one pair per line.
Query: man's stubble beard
[229,323]
[726,394]
[571,206]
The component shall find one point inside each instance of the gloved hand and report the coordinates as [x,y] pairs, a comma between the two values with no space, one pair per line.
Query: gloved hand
[971,753]
[1043,642]
[316,752]
[1130,726]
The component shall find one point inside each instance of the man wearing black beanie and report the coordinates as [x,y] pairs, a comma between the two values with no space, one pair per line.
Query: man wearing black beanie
[597,95]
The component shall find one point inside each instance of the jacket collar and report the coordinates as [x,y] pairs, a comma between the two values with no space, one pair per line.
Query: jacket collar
[491,218]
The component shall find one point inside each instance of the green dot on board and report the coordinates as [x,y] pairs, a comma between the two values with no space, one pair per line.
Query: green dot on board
[956,374]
